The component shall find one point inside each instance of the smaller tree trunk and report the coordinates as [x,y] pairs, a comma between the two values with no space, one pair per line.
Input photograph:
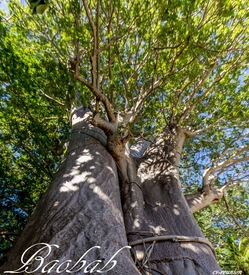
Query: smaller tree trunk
[167,214]
[176,244]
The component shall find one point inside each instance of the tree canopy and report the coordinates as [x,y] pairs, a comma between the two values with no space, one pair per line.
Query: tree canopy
[140,66]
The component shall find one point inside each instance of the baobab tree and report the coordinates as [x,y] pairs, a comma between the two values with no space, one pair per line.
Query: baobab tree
[134,86]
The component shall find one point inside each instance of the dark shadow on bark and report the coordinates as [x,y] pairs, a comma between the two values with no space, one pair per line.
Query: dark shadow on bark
[81,209]
[167,213]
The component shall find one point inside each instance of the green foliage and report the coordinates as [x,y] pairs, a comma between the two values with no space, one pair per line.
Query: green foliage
[30,124]
[181,63]
[222,230]
[236,254]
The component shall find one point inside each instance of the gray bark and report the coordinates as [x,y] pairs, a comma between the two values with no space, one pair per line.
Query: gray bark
[200,200]
[80,210]
[89,205]
[167,213]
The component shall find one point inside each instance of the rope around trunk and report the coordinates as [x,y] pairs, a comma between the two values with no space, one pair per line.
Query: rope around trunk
[174,238]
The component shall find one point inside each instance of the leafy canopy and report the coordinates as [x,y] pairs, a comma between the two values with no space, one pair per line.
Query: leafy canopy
[156,63]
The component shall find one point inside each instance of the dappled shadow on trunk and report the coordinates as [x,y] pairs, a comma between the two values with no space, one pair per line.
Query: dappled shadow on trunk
[168,240]
[80,211]
[166,213]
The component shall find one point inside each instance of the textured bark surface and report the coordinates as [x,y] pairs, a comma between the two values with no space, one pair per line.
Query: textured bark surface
[166,212]
[82,209]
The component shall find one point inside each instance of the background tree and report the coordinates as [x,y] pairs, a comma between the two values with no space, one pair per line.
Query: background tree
[164,80]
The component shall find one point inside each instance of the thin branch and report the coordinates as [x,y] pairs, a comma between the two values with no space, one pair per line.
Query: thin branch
[226,150]
[234,218]
[7,19]
[101,97]
[128,29]
[189,108]
[3,233]
[124,80]
[13,202]
[112,41]
[168,47]
[96,48]
[94,87]
[200,131]
[240,150]
[89,16]
[229,161]
[49,97]
[139,65]
[155,84]
[142,97]
[94,58]
[229,184]
[44,167]
[225,164]
[204,15]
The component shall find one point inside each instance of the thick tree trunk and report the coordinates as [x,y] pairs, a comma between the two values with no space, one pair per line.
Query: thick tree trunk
[81,213]
[80,210]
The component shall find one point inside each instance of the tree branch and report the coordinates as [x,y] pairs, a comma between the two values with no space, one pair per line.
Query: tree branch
[101,97]
[124,80]
[226,150]
[89,16]
[14,203]
[168,47]
[189,107]
[200,131]
[208,175]
[200,200]
[142,97]
[234,218]
[3,233]
[49,97]
[203,199]
[107,127]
